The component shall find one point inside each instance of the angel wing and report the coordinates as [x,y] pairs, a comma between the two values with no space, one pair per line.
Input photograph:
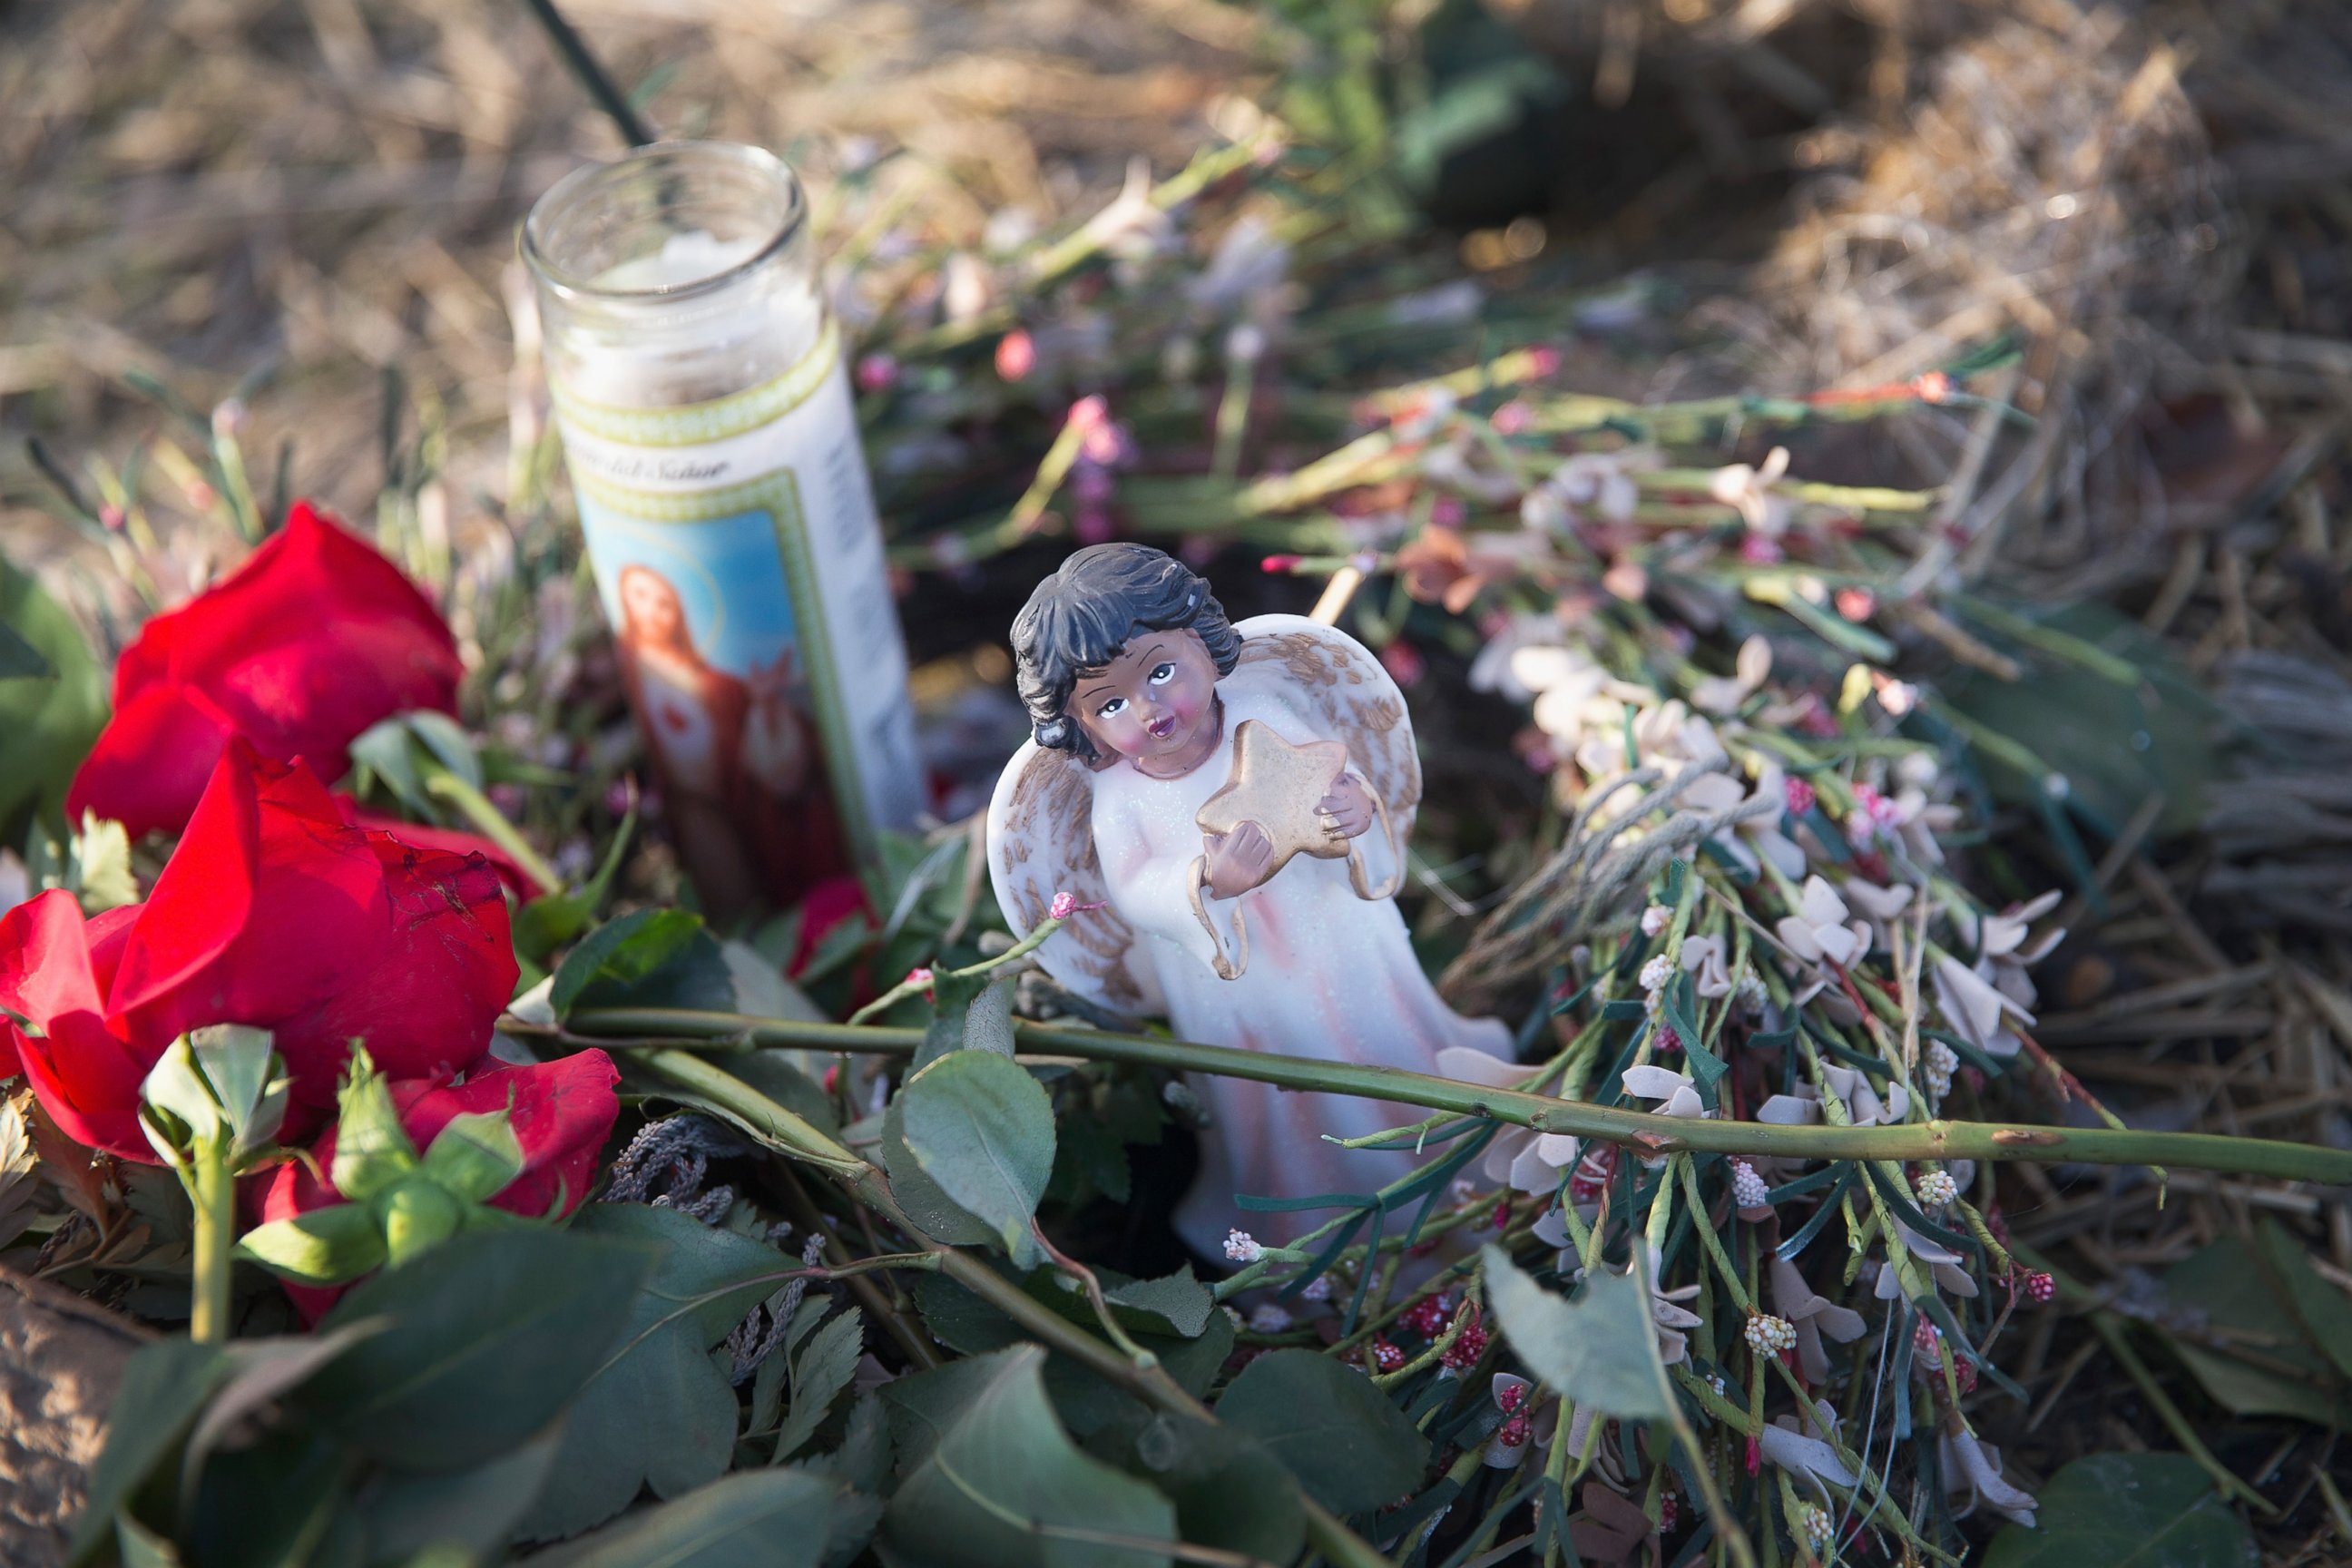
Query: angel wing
[1041,820]
[1334,677]
[1041,841]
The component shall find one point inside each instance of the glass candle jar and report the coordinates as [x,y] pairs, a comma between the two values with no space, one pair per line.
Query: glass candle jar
[699,386]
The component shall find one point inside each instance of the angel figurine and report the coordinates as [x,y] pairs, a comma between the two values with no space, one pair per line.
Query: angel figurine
[1238,798]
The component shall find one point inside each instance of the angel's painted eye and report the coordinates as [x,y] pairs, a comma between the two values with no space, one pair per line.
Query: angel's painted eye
[1162,674]
[1115,706]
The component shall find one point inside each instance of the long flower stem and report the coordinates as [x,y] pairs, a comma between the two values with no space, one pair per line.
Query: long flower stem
[1653,1134]
[212,1191]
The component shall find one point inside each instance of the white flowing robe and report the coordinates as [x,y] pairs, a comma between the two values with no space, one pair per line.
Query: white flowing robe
[1330,976]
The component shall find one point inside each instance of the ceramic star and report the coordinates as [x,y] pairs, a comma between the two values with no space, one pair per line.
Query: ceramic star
[1278,785]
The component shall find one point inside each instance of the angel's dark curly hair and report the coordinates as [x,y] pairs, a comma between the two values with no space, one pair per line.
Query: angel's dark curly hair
[1084,615]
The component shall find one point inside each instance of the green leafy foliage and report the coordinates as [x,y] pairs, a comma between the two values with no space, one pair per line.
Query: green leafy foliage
[2127,1510]
[163,1390]
[651,958]
[492,1335]
[2116,744]
[1597,1350]
[2228,1286]
[51,715]
[821,1367]
[1347,1445]
[545,923]
[999,1484]
[982,1131]
[760,1519]
[925,1200]
[2318,1306]
[656,1413]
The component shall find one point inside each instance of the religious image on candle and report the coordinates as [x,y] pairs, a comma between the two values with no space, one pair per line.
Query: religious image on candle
[719,683]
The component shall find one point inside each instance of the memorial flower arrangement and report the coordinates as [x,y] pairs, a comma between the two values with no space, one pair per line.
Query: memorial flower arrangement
[517,1211]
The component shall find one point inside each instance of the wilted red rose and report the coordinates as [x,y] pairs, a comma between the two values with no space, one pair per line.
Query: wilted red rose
[313,639]
[562,1112]
[274,912]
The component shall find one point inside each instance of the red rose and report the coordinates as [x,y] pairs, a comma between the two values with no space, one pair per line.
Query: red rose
[562,1112]
[313,639]
[447,840]
[272,912]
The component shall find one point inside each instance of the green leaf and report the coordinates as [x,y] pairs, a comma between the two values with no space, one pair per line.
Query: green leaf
[2227,1284]
[164,1389]
[926,1203]
[547,922]
[982,1128]
[100,858]
[372,1153]
[2325,1315]
[447,741]
[492,1333]
[475,1155]
[652,958]
[50,724]
[658,1413]
[2127,1510]
[1347,1445]
[821,1368]
[2114,745]
[1084,1398]
[19,659]
[759,1519]
[473,1511]
[384,753]
[1216,1478]
[267,1369]
[1598,1349]
[1003,1485]
[1177,1304]
[968,1013]
[325,1246]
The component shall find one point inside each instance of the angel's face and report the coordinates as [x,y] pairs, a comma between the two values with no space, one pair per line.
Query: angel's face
[1154,704]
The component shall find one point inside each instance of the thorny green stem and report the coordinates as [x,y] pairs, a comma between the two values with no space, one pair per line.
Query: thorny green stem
[1651,1134]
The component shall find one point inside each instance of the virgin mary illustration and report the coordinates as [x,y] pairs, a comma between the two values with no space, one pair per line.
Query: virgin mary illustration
[1240,796]
[735,754]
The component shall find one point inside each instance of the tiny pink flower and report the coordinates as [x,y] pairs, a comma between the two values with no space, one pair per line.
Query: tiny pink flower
[2040,1287]
[1801,797]
[877,373]
[1513,418]
[1756,549]
[111,517]
[1016,354]
[1065,905]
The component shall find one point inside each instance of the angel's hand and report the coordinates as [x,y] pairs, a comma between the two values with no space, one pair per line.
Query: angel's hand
[1239,861]
[1347,811]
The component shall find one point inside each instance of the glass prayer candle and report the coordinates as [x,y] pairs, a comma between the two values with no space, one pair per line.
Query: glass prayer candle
[699,386]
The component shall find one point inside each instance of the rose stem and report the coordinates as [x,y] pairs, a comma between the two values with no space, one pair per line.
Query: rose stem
[1654,1134]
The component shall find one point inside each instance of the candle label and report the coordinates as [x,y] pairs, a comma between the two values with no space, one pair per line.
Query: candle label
[740,565]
